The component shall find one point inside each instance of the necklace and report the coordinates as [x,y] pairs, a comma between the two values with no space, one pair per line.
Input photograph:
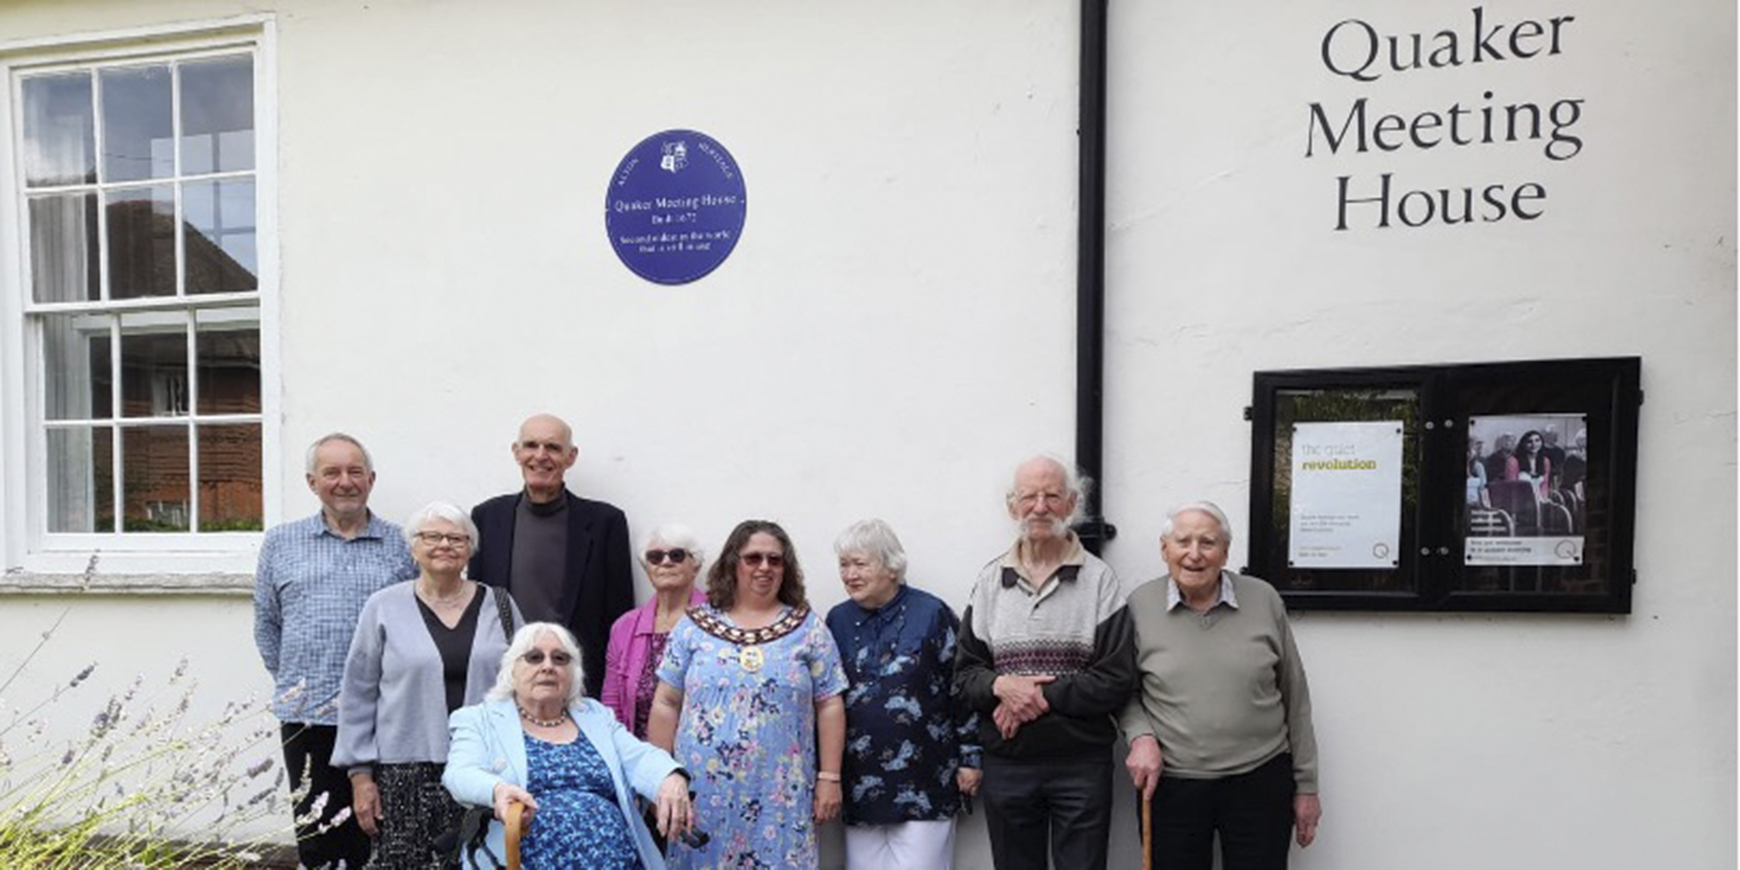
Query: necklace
[543,723]
[445,601]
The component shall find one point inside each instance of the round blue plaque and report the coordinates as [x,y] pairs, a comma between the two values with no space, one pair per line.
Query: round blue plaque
[676,206]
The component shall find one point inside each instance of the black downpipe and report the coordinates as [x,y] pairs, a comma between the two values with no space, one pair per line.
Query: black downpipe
[1090,272]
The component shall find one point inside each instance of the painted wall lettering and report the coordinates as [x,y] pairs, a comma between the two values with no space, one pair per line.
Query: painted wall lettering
[1358,51]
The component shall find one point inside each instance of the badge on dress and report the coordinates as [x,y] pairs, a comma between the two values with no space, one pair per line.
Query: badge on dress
[751,658]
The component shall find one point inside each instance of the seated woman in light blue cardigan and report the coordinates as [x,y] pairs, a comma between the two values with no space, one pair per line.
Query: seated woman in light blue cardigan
[537,741]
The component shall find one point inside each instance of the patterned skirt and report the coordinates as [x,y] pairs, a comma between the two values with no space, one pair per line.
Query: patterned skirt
[415,809]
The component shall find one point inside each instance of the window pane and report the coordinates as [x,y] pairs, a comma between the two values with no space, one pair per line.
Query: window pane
[154,365]
[154,479]
[142,242]
[229,479]
[75,361]
[81,480]
[63,249]
[60,144]
[220,255]
[228,347]
[217,115]
[137,134]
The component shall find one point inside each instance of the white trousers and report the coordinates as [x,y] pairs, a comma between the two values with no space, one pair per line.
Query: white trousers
[915,845]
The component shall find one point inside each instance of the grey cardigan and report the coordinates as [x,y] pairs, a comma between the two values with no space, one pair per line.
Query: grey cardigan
[392,704]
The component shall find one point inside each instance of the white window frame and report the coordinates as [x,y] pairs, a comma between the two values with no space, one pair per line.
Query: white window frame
[30,556]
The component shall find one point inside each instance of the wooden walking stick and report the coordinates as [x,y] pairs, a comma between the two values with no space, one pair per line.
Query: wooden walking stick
[1147,831]
[515,827]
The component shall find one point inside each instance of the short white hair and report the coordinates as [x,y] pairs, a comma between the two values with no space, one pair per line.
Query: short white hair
[322,441]
[523,640]
[673,535]
[1074,482]
[1201,507]
[440,510]
[876,539]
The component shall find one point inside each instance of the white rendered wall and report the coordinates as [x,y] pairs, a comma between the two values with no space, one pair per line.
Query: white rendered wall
[895,329]
[1456,741]
[892,334]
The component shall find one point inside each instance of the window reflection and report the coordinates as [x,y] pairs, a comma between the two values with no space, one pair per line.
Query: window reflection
[154,365]
[141,242]
[217,115]
[219,251]
[81,480]
[76,374]
[63,249]
[229,369]
[137,134]
[154,479]
[60,145]
[230,497]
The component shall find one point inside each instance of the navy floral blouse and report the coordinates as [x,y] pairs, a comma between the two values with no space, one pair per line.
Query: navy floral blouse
[905,733]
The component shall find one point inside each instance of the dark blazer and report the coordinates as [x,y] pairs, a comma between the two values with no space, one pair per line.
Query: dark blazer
[600,582]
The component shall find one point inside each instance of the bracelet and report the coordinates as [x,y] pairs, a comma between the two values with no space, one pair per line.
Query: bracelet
[825,776]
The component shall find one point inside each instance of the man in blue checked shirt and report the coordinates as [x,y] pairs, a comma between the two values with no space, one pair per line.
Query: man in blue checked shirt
[314,576]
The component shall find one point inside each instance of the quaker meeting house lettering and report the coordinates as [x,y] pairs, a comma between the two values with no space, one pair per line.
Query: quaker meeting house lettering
[1355,50]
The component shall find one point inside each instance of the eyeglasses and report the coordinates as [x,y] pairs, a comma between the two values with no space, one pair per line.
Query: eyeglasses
[657,557]
[536,657]
[436,539]
[754,560]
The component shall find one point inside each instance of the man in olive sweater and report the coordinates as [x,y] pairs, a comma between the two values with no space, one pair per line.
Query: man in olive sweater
[1045,659]
[1220,731]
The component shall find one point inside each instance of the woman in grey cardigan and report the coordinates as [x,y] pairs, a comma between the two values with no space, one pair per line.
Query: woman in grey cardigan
[422,649]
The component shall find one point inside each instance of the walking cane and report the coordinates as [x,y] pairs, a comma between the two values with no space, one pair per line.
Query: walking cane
[1147,831]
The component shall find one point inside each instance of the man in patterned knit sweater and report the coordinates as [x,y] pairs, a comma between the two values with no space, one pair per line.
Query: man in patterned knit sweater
[1046,658]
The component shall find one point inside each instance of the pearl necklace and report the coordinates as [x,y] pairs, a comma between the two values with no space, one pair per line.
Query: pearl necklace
[543,723]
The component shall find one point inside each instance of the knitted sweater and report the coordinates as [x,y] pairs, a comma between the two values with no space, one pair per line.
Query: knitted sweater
[1075,628]
[1223,691]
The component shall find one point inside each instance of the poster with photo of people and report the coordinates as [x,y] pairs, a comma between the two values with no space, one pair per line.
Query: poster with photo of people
[1525,493]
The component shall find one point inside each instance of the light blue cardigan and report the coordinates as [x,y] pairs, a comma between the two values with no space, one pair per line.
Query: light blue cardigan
[489,747]
[394,691]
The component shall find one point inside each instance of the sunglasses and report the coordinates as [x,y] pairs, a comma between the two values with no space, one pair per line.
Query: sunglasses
[754,560]
[536,657]
[657,557]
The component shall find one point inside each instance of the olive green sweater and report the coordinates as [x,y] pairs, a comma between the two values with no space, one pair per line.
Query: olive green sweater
[1223,692]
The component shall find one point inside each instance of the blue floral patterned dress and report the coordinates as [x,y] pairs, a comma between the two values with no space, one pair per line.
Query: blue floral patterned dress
[579,823]
[747,737]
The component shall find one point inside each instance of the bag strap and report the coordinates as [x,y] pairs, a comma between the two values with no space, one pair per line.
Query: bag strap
[504,607]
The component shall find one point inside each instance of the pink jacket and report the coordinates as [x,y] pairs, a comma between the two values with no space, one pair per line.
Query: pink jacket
[630,639]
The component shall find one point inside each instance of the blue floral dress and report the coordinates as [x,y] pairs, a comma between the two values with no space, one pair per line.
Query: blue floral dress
[747,737]
[906,732]
[578,823]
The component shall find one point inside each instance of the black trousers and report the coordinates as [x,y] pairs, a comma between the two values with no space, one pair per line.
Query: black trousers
[1252,812]
[308,753]
[1067,801]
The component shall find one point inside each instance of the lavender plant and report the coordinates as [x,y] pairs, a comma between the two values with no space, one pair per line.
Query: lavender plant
[144,785]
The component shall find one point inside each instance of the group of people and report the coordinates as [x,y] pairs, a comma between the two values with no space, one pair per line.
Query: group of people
[721,723]
[1536,457]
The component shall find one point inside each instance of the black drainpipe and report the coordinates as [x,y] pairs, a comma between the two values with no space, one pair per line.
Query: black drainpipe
[1090,272]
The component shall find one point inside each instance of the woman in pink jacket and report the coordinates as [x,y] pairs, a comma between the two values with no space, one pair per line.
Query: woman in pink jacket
[672,559]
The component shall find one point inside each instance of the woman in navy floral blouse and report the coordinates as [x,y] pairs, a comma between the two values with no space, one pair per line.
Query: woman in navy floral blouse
[912,758]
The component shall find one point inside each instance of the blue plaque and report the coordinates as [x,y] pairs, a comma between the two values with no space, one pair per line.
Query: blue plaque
[676,206]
